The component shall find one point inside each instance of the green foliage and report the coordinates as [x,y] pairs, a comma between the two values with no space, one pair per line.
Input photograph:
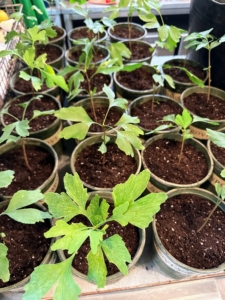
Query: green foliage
[6,178]
[4,263]
[127,209]
[127,136]
[218,138]
[119,50]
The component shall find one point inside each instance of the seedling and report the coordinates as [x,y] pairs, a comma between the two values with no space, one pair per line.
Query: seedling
[82,71]
[21,126]
[127,209]
[125,129]
[17,211]
[204,39]
[183,122]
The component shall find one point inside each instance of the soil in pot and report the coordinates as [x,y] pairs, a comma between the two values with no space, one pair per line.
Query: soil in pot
[138,79]
[197,103]
[139,51]
[123,32]
[83,32]
[112,118]
[148,119]
[104,170]
[97,81]
[177,223]
[43,104]
[219,153]
[59,33]
[52,52]
[161,157]
[41,162]
[97,56]
[180,75]
[129,234]
[25,86]
[27,247]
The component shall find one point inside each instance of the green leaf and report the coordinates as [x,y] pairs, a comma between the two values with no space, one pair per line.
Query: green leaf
[150,19]
[222,39]
[4,263]
[102,148]
[108,67]
[29,215]
[184,120]
[131,189]
[97,212]
[205,120]
[218,138]
[22,128]
[38,113]
[134,128]
[29,57]
[108,22]
[80,11]
[96,268]
[115,250]
[96,236]
[6,177]
[127,119]
[47,276]
[124,145]
[75,114]
[131,67]
[222,174]
[128,137]
[118,51]
[119,102]
[163,32]
[61,206]
[76,191]
[76,131]
[169,80]
[7,130]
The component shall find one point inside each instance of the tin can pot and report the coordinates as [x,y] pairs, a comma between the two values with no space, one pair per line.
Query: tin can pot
[57,63]
[58,40]
[114,38]
[146,59]
[102,38]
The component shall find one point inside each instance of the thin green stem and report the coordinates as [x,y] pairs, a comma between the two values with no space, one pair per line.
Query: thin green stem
[91,95]
[209,74]
[181,150]
[25,156]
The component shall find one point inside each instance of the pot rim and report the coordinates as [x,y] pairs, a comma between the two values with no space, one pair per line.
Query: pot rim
[125,24]
[80,27]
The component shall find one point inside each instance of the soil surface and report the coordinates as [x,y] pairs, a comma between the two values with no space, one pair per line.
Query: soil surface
[43,104]
[82,33]
[52,51]
[41,162]
[180,75]
[112,118]
[59,33]
[139,51]
[129,234]
[214,109]
[161,157]
[25,87]
[27,247]
[148,119]
[116,168]
[219,153]
[123,32]
[97,55]
[177,223]
[138,79]
[97,81]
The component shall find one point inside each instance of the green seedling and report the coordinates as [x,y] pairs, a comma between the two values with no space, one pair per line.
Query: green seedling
[128,208]
[218,138]
[17,211]
[183,121]
[82,71]
[21,127]
[125,129]
[206,40]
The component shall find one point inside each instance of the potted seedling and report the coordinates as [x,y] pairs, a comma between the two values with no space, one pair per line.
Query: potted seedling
[210,98]
[99,212]
[19,210]
[124,144]
[177,153]
[27,156]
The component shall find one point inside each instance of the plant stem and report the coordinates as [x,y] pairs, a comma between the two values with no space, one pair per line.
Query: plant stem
[25,155]
[209,216]
[91,96]
[181,151]
[153,98]
[209,73]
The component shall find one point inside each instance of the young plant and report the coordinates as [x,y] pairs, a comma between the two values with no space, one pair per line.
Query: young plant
[127,209]
[21,126]
[82,71]
[125,129]
[17,211]
[204,39]
[183,121]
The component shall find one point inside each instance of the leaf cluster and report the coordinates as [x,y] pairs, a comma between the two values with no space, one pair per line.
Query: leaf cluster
[126,210]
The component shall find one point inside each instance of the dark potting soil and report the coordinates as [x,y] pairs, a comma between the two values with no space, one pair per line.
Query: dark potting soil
[59,33]
[180,75]
[82,33]
[161,157]
[139,51]
[148,119]
[123,32]
[52,51]
[219,153]
[197,103]
[177,223]
[97,81]
[129,234]
[98,55]
[41,163]
[112,118]
[138,79]
[116,168]
[27,247]
[25,87]
[43,104]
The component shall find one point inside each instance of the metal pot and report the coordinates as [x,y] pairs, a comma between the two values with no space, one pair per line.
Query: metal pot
[114,38]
